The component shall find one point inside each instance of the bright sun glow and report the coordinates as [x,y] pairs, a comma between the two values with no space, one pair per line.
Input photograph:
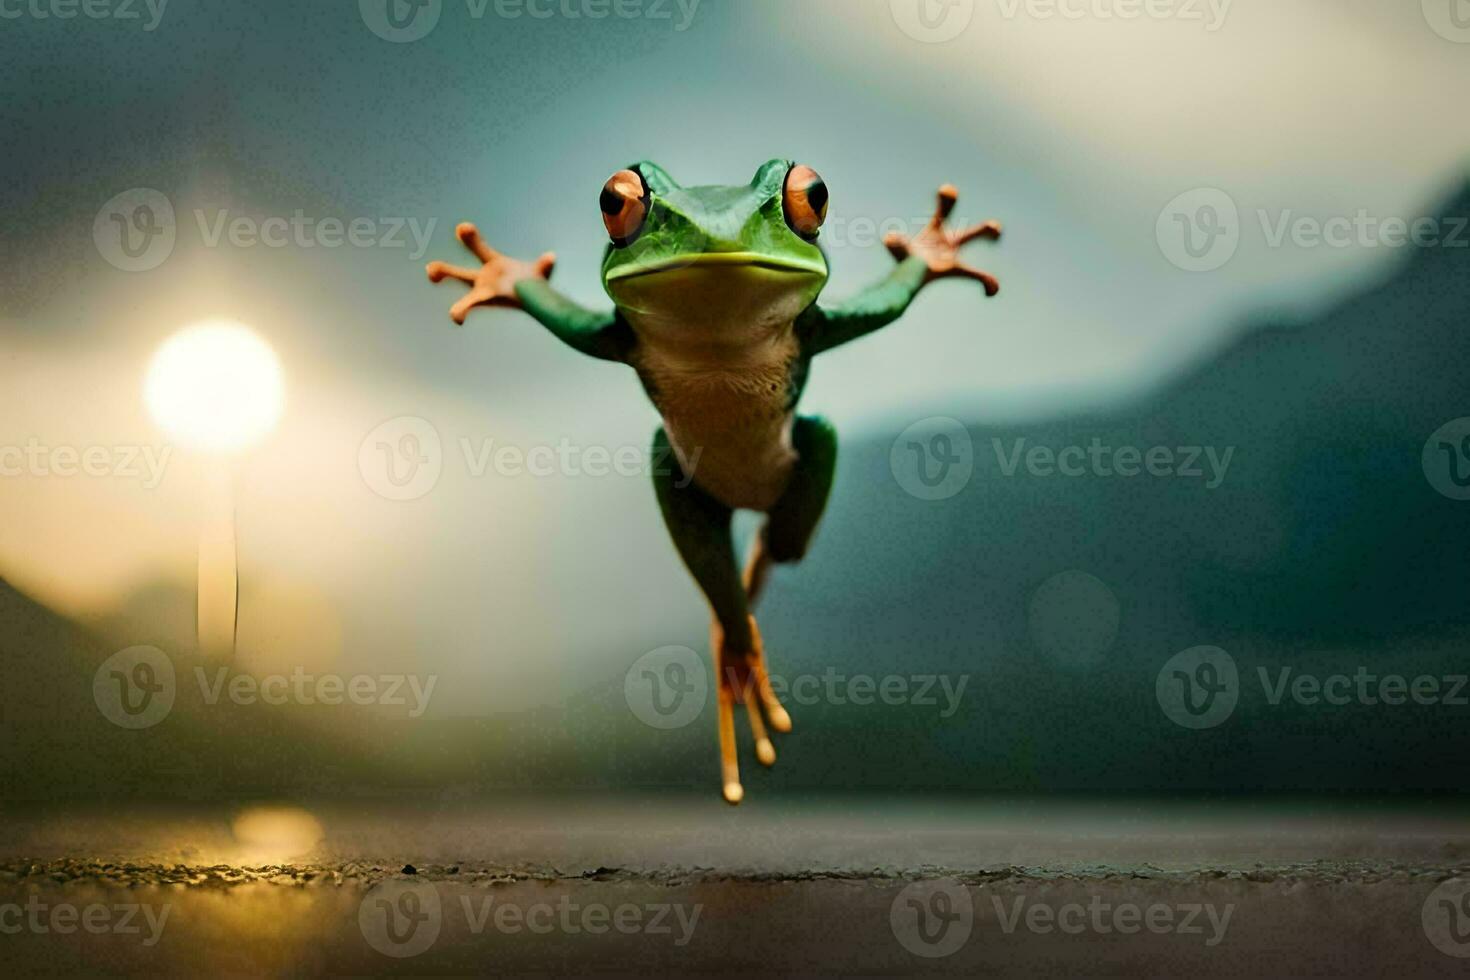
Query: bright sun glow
[215,386]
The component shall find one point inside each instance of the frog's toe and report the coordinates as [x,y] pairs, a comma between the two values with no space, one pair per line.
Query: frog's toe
[439,271]
[744,680]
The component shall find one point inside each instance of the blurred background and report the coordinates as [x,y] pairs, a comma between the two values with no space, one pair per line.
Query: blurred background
[1233,317]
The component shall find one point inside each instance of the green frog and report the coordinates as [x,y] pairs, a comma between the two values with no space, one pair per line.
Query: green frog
[715,306]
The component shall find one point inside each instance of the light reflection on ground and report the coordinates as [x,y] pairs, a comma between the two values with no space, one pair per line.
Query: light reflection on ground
[672,884]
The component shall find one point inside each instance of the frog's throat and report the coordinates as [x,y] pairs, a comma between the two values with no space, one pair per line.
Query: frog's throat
[720,258]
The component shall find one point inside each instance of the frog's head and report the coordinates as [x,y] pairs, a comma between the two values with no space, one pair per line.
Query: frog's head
[687,254]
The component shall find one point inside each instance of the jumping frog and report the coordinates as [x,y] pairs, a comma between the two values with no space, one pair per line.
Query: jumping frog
[714,293]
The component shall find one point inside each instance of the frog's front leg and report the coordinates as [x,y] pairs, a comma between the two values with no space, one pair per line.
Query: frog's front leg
[931,255]
[939,248]
[504,281]
[494,283]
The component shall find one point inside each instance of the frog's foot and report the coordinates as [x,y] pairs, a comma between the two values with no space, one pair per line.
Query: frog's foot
[939,247]
[494,283]
[757,574]
[743,679]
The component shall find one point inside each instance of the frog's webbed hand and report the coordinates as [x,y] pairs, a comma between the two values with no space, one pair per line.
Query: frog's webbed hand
[494,283]
[504,281]
[939,247]
[930,255]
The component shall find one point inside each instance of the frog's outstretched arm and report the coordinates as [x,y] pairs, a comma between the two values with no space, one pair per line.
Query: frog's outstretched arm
[503,281]
[932,254]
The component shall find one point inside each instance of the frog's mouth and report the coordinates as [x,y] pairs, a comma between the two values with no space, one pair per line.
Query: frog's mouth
[743,259]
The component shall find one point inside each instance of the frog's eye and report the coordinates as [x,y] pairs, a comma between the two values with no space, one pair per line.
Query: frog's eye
[805,201]
[624,206]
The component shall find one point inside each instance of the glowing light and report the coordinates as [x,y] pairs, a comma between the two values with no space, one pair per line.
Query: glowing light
[275,833]
[215,386]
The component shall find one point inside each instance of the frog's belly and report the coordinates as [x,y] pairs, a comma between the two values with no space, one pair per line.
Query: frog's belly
[731,429]
[748,467]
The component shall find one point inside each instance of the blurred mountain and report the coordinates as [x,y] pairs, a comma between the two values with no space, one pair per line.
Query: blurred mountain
[61,743]
[1324,547]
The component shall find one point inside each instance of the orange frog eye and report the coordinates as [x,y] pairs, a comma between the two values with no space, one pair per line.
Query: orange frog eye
[624,206]
[805,201]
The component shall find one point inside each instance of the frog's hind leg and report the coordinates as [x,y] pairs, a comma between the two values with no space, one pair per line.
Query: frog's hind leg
[792,521]
[700,527]
[789,527]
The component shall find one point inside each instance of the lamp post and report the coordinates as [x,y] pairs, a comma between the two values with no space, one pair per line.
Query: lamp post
[216,388]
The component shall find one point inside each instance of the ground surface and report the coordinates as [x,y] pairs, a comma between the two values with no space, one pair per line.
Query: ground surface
[673,885]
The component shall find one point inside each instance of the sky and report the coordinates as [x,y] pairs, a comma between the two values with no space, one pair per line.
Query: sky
[1077,126]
